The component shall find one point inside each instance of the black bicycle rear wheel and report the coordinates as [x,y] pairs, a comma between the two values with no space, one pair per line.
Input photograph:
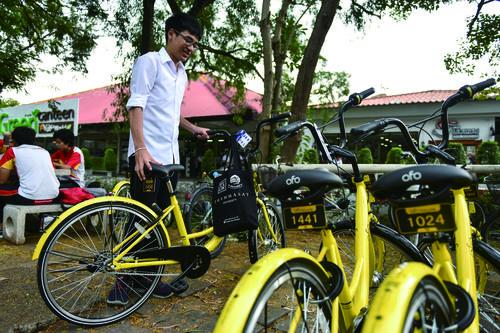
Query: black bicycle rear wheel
[199,217]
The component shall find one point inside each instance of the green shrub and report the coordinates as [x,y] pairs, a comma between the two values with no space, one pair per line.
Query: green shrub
[97,162]
[395,156]
[310,156]
[109,159]
[86,158]
[208,161]
[365,156]
[456,149]
[488,153]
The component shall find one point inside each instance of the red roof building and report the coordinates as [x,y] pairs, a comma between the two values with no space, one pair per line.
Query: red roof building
[430,96]
[201,99]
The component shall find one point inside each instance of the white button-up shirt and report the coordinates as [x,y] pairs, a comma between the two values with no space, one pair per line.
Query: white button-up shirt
[158,88]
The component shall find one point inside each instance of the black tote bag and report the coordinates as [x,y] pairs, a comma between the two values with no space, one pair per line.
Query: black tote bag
[234,205]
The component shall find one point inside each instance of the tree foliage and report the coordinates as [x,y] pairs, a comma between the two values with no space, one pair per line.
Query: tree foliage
[457,150]
[310,156]
[110,159]
[394,156]
[8,102]
[66,29]
[229,49]
[365,156]
[482,40]
[488,153]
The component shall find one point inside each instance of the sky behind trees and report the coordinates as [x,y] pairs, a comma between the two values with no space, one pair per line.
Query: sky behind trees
[393,57]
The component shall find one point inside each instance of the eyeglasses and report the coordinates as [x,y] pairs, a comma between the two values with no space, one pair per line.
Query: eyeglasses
[188,40]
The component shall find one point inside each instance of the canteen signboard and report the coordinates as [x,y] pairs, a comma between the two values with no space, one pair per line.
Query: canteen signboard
[45,118]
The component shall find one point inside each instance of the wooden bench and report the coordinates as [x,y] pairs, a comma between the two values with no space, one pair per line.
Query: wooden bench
[14,219]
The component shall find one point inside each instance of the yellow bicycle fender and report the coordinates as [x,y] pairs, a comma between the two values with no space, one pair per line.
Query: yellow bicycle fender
[233,317]
[386,313]
[79,206]
[119,185]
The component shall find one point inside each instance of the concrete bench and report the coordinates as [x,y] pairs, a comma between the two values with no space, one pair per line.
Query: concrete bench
[14,219]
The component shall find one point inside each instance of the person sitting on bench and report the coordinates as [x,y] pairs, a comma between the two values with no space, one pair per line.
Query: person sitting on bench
[68,156]
[27,176]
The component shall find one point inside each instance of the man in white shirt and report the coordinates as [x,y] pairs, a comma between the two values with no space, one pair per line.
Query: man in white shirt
[156,91]
[27,176]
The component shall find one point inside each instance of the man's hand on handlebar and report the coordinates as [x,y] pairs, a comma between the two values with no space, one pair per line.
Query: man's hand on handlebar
[200,133]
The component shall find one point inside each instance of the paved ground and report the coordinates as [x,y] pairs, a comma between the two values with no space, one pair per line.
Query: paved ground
[23,310]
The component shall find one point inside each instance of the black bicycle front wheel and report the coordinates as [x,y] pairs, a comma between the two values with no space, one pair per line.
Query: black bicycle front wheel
[429,309]
[487,266]
[390,249]
[290,299]
[261,240]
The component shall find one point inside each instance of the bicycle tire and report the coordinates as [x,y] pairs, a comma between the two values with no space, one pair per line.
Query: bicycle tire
[74,276]
[487,262]
[436,305]
[397,249]
[400,308]
[199,218]
[259,246]
[278,295]
[122,189]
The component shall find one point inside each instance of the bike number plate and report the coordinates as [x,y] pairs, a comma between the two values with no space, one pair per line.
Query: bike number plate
[310,216]
[423,219]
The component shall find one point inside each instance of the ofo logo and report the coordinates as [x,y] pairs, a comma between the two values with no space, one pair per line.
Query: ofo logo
[293,180]
[235,182]
[411,175]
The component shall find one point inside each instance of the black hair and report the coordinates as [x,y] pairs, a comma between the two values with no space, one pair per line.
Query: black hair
[66,136]
[181,22]
[23,135]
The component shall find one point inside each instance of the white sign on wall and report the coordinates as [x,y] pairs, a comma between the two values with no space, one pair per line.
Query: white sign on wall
[43,118]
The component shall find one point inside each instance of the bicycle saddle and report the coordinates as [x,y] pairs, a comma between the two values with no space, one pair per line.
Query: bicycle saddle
[438,177]
[318,181]
[163,171]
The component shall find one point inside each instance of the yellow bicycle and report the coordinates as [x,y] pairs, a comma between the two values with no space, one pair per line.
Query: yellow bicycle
[450,296]
[117,242]
[98,242]
[289,289]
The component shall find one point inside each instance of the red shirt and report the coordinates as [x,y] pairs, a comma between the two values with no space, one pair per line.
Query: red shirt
[71,158]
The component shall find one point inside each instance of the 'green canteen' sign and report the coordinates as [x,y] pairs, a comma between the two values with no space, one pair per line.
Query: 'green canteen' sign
[45,120]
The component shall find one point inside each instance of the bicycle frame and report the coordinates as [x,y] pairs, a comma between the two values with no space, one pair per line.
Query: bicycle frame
[173,208]
[442,270]
[352,298]
[465,275]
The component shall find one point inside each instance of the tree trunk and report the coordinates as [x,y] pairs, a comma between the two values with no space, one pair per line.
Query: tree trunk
[307,67]
[279,54]
[147,25]
[265,31]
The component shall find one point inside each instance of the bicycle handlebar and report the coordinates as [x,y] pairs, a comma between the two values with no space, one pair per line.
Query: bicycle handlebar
[274,119]
[353,100]
[462,94]
[357,98]
[467,92]
[289,129]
